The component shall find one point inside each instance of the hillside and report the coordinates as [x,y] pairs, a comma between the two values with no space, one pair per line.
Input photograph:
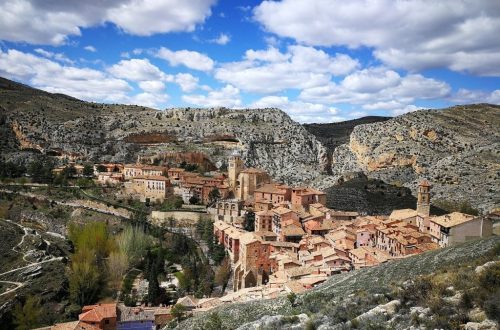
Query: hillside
[333,135]
[56,124]
[457,149]
[343,298]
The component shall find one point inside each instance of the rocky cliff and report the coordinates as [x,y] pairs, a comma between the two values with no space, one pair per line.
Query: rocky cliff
[457,149]
[62,126]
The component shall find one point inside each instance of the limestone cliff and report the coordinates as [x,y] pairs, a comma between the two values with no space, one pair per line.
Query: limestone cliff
[66,127]
[457,149]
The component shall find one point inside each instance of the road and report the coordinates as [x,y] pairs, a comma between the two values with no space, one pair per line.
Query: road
[16,249]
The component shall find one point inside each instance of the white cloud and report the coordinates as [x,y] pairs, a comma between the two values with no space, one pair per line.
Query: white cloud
[152,100]
[270,71]
[465,96]
[186,81]
[190,59]
[56,56]
[371,80]
[222,39]
[84,83]
[378,89]
[147,17]
[412,34]
[90,48]
[152,86]
[228,96]
[303,112]
[138,70]
[406,109]
[52,22]
[268,55]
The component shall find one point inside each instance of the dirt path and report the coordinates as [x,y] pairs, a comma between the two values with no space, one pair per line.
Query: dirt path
[24,254]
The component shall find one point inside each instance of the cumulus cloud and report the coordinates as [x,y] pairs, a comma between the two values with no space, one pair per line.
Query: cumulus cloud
[90,48]
[152,100]
[465,96]
[51,22]
[303,112]
[138,70]
[228,96]
[378,88]
[152,86]
[270,71]
[186,81]
[413,34]
[43,73]
[188,58]
[222,39]
[60,57]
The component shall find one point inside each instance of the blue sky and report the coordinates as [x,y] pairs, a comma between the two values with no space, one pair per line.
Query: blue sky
[318,60]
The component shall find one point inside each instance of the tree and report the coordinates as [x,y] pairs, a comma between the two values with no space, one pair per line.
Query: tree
[117,265]
[92,246]
[28,315]
[214,195]
[193,200]
[40,170]
[171,203]
[88,170]
[178,311]
[223,273]
[133,243]
[249,224]
[101,168]
[84,282]
[292,298]
[154,285]
[69,171]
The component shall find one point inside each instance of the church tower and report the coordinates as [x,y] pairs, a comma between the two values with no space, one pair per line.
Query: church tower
[234,168]
[424,199]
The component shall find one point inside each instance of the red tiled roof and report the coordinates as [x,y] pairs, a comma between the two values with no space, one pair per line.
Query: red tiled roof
[96,313]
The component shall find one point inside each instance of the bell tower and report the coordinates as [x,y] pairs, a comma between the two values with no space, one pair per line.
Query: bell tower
[234,168]
[424,199]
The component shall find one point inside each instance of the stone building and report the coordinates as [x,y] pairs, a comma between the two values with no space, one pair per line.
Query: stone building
[423,206]
[302,197]
[264,220]
[235,166]
[275,193]
[134,170]
[149,188]
[229,210]
[249,180]
[458,227]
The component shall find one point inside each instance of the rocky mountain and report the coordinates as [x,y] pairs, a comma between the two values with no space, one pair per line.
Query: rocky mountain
[333,135]
[456,149]
[55,124]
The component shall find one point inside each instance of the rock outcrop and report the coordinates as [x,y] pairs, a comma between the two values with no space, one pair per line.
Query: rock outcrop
[69,128]
[457,149]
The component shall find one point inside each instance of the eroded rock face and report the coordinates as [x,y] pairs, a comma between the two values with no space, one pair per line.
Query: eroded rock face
[66,127]
[457,149]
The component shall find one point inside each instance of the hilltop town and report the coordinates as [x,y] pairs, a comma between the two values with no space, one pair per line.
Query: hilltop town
[277,239]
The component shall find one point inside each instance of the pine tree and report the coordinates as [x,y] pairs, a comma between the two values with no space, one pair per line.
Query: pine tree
[154,285]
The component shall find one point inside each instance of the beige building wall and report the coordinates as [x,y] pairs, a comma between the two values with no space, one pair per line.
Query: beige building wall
[470,230]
